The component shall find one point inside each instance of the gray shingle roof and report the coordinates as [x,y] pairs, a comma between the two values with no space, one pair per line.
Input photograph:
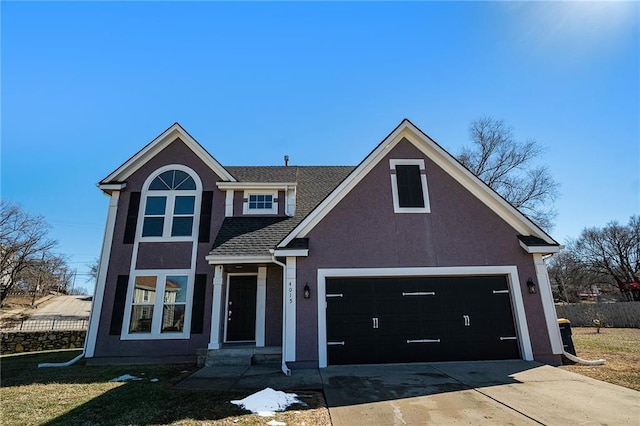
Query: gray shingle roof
[251,236]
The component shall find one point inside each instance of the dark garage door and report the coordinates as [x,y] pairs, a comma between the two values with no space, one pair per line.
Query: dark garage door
[419,319]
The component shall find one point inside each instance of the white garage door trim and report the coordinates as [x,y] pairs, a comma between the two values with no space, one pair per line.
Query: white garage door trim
[510,271]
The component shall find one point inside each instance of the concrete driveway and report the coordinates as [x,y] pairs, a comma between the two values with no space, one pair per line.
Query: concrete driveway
[473,393]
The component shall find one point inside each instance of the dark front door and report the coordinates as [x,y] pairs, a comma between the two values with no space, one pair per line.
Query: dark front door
[419,319]
[241,308]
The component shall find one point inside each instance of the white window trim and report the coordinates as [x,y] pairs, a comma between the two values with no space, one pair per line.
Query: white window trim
[394,186]
[513,282]
[274,204]
[156,324]
[170,205]
[226,306]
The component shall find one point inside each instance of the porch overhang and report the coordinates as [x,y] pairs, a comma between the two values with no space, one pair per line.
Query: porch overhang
[290,252]
[534,245]
[227,260]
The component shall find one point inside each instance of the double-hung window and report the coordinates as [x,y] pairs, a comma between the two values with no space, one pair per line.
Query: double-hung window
[170,206]
[409,186]
[159,304]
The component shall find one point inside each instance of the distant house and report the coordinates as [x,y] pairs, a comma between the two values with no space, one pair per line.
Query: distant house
[406,257]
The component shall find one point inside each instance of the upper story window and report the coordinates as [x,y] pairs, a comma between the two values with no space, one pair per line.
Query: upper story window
[170,205]
[409,186]
[260,202]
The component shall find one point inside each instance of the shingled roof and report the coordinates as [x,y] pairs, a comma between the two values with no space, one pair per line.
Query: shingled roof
[255,236]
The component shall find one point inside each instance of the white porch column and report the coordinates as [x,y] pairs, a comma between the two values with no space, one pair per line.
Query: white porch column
[216,305]
[101,281]
[551,317]
[290,310]
[261,306]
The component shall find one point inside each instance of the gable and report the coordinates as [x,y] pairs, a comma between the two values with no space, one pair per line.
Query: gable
[116,179]
[406,131]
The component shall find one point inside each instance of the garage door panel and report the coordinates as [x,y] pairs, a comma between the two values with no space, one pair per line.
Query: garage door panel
[413,319]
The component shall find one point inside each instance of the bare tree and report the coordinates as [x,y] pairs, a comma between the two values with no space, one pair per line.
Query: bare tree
[507,166]
[613,252]
[93,270]
[570,278]
[24,242]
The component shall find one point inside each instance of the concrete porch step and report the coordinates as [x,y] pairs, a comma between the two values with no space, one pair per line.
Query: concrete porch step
[229,356]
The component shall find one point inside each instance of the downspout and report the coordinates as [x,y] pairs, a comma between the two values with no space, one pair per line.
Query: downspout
[76,359]
[283,367]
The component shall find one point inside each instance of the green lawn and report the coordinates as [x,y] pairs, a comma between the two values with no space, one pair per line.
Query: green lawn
[83,395]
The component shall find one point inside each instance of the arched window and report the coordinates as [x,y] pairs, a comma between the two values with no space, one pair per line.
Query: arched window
[170,205]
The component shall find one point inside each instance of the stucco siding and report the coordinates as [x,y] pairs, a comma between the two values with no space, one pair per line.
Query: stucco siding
[164,256]
[363,231]
[273,320]
[159,256]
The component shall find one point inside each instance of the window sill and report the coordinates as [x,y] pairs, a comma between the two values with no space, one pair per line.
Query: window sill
[152,336]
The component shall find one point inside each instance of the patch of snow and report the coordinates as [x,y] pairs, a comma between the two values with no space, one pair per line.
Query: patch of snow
[125,378]
[266,402]
[154,380]
[276,423]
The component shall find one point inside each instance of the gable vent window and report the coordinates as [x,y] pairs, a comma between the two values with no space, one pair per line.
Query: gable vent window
[170,206]
[409,186]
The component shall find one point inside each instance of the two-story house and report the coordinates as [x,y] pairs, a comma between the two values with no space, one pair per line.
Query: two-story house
[406,257]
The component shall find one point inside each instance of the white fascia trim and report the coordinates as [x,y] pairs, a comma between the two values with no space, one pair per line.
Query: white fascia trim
[510,271]
[223,260]
[255,185]
[108,187]
[291,252]
[540,249]
[96,304]
[157,145]
[344,188]
[433,151]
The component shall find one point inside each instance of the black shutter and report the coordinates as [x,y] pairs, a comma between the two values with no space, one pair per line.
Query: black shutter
[205,217]
[117,314]
[197,311]
[410,192]
[132,218]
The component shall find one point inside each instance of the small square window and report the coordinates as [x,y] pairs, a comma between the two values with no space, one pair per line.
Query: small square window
[260,203]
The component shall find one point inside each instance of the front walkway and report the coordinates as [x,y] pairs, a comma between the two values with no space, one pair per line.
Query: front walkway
[252,378]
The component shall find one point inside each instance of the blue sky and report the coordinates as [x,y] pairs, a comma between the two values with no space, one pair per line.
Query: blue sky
[85,85]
